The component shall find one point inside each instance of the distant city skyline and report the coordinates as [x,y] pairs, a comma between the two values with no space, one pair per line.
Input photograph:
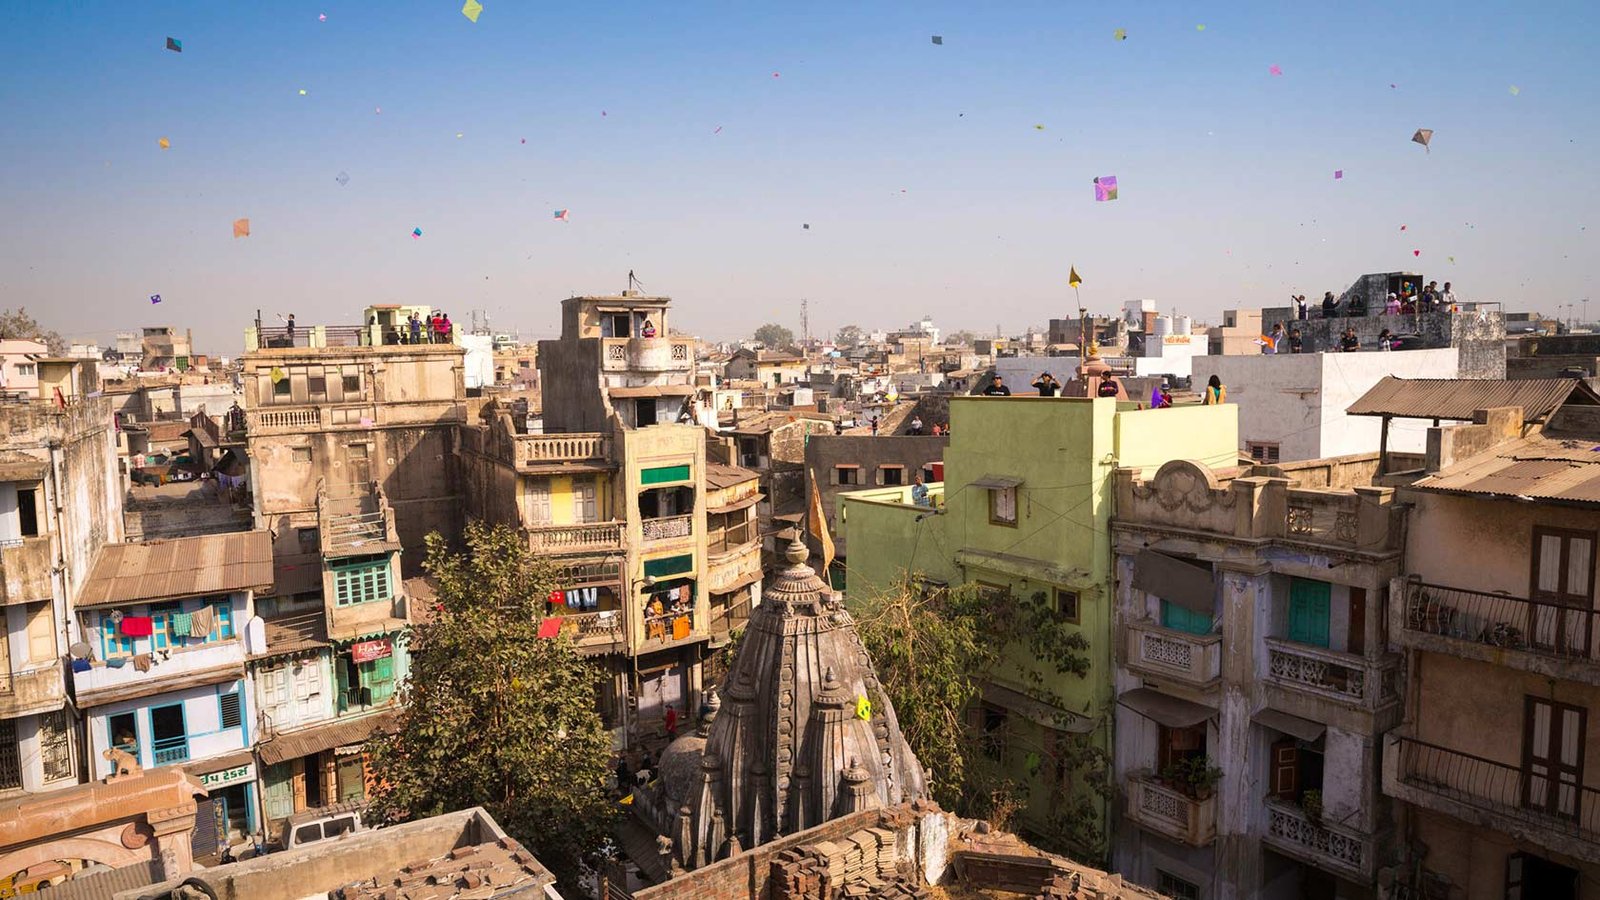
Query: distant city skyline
[741,158]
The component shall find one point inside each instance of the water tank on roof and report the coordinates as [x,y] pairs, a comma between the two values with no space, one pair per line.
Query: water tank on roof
[1181,324]
[1163,326]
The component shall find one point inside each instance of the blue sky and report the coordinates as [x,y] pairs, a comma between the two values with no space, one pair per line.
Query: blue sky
[926,185]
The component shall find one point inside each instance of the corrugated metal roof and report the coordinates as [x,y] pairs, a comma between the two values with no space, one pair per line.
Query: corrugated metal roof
[1536,468]
[722,476]
[1459,398]
[294,634]
[325,737]
[179,567]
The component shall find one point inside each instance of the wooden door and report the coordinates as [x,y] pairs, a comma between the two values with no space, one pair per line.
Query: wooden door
[1310,603]
[1552,756]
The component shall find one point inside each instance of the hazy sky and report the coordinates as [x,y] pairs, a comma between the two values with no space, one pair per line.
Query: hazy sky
[926,185]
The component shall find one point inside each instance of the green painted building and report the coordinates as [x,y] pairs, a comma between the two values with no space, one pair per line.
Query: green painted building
[1025,507]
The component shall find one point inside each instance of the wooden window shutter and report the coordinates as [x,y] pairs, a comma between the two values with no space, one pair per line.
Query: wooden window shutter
[1285,769]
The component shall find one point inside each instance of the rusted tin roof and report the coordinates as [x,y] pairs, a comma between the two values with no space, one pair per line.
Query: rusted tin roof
[179,567]
[1459,398]
[1535,468]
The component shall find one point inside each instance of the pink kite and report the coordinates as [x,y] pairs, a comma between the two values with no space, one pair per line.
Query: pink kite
[1105,188]
[1275,69]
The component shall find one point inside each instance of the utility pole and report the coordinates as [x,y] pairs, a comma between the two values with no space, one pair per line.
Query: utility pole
[805,322]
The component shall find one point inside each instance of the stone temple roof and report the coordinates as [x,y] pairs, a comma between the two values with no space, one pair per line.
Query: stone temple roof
[800,733]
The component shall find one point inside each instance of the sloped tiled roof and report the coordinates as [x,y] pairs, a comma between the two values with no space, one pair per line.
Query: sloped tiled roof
[1459,398]
[1537,468]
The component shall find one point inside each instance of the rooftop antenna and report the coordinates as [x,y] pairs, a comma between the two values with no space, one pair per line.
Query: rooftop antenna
[634,283]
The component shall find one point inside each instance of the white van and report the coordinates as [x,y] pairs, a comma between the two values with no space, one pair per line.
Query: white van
[315,825]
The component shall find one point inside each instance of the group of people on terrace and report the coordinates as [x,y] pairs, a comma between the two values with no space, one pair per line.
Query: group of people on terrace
[1408,300]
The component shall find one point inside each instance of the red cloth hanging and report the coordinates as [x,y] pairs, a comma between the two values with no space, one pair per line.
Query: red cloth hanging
[550,627]
[136,626]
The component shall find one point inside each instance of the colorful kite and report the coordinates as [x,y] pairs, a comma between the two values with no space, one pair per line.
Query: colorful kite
[1199,28]
[302,92]
[416,233]
[1072,276]
[1120,34]
[1275,69]
[1515,90]
[863,708]
[164,143]
[471,10]
[322,17]
[155,298]
[241,228]
[1105,188]
[1338,174]
[938,40]
[175,45]
[561,215]
[1416,253]
[1423,136]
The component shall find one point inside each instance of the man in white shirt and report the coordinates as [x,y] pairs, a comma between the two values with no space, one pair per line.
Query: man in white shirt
[1447,297]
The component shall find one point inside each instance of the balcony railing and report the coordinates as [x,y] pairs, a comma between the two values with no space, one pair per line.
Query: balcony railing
[668,527]
[1172,813]
[1328,846]
[1567,808]
[670,627]
[1501,620]
[575,538]
[25,565]
[727,617]
[22,693]
[1344,677]
[723,540]
[538,449]
[287,418]
[1194,659]
[657,354]
[1313,518]
[166,751]
[594,629]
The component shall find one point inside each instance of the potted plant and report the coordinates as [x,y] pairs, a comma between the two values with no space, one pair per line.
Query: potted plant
[1194,776]
[1311,805]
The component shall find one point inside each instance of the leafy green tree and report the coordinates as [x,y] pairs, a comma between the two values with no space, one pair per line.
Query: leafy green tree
[775,336]
[849,336]
[935,649]
[17,324]
[493,715]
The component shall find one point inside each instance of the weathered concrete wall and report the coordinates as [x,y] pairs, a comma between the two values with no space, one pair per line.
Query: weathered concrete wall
[1479,334]
[1518,367]
[1474,858]
[824,453]
[569,383]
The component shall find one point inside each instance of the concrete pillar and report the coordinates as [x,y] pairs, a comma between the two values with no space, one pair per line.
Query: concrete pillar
[1245,593]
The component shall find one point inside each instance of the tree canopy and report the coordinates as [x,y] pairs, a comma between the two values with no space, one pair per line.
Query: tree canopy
[849,336]
[935,649]
[775,336]
[18,324]
[492,714]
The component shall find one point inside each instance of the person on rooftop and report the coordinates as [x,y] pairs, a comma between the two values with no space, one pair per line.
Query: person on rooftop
[916,426]
[997,388]
[1349,343]
[1274,340]
[1047,386]
[1216,394]
[1391,306]
[1159,399]
[1430,296]
[919,492]
[1385,340]
[1330,305]
[1296,343]
[648,329]
[1447,297]
[1109,387]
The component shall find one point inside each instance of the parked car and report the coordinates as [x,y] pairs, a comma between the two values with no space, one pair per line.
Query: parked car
[316,825]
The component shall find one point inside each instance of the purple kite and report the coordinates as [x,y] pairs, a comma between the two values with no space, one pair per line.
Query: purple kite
[1105,188]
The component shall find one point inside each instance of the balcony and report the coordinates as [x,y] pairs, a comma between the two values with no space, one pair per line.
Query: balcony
[1490,794]
[668,528]
[1172,813]
[729,617]
[595,632]
[206,663]
[555,540]
[1552,640]
[548,449]
[734,537]
[1330,847]
[1192,659]
[26,565]
[670,628]
[354,520]
[357,620]
[34,691]
[293,419]
[657,354]
[1345,678]
[166,751]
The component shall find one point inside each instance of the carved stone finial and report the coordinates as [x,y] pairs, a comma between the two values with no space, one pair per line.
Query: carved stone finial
[796,553]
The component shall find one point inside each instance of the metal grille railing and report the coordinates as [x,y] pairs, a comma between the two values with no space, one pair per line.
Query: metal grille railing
[1501,620]
[668,527]
[1544,801]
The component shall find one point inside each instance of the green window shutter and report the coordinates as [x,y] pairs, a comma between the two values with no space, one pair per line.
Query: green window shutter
[342,674]
[671,565]
[1180,619]
[1309,607]
[664,474]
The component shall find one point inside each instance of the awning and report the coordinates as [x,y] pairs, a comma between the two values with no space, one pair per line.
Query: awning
[325,737]
[997,482]
[659,390]
[1175,581]
[1024,567]
[145,687]
[1304,729]
[1172,712]
[220,763]
[735,506]
[1036,711]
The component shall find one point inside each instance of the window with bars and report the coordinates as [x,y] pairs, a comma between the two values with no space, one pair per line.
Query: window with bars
[10,757]
[1262,452]
[363,582]
[1171,885]
[55,747]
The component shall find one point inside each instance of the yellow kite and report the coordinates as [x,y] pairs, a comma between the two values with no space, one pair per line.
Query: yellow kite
[1073,279]
[471,10]
[241,228]
[165,144]
[863,708]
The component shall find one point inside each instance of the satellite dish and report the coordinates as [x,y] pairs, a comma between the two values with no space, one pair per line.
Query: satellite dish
[80,650]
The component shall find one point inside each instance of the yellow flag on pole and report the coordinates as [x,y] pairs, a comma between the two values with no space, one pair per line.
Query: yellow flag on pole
[817,523]
[1073,279]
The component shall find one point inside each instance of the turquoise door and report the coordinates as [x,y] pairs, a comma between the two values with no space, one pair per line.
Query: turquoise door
[1179,618]
[1309,603]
